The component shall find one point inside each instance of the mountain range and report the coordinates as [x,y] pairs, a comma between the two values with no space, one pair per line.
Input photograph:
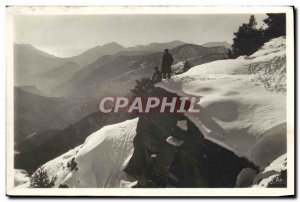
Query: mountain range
[36,67]
[117,74]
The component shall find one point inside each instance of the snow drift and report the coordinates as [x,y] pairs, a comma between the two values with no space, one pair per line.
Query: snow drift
[99,161]
[21,178]
[243,104]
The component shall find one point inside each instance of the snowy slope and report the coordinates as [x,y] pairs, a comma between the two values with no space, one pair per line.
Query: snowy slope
[243,102]
[266,177]
[21,178]
[100,159]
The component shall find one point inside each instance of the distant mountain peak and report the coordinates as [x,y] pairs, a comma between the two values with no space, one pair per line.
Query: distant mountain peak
[113,44]
[177,41]
[110,45]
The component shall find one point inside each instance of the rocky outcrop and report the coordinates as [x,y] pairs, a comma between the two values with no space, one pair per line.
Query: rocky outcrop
[196,163]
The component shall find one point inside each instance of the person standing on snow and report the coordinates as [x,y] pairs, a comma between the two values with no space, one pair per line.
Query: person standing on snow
[166,64]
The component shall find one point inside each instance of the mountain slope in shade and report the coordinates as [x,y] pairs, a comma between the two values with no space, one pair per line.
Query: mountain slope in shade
[29,61]
[51,78]
[35,113]
[216,44]
[32,89]
[37,149]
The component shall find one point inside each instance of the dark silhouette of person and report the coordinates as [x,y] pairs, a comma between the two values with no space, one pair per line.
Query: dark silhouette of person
[166,64]
[156,75]
[186,66]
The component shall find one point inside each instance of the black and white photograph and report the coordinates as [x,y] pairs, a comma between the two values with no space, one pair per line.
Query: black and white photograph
[150,101]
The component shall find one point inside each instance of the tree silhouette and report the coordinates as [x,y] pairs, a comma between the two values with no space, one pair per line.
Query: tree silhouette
[276,25]
[247,39]
[142,86]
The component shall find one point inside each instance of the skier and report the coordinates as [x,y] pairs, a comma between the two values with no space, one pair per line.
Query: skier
[166,64]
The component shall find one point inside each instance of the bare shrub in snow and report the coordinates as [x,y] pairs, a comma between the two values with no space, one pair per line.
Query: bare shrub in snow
[142,86]
[271,73]
[41,179]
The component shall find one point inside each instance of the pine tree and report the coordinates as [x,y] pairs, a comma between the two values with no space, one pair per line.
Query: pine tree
[276,23]
[41,179]
[247,39]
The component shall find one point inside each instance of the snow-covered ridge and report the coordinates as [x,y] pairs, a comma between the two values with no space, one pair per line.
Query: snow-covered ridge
[240,111]
[99,161]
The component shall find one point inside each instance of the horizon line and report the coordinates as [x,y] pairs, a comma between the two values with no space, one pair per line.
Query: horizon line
[55,55]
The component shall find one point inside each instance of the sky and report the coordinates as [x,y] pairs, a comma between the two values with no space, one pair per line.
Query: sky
[69,35]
